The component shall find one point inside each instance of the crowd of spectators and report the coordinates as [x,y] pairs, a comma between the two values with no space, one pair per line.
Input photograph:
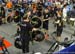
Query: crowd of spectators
[54,8]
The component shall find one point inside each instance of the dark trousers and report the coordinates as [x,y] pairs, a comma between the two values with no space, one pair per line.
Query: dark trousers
[45,25]
[25,46]
[0,21]
[59,31]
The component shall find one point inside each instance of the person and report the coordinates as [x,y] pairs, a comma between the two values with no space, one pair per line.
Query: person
[17,17]
[8,8]
[24,29]
[39,9]
[46,19]
[2,14]
[22,11]
[46,22]
[59,29]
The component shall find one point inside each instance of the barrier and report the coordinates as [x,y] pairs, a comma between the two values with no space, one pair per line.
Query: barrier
[68,50]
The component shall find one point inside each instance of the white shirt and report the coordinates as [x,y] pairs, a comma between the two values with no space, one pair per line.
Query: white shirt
[64,12]
[35,1]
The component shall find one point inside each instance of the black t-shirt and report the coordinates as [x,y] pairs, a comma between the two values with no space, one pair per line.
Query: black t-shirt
[60,25]
[25,28]
[46,15]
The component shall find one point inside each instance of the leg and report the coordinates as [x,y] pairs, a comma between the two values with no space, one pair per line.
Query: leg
[59,32]
[46,30]
[27,47]
[23,46]
[5,48]
[2,49]
[58,38]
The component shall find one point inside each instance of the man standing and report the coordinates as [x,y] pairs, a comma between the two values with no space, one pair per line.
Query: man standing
[46,20]
[59,29]
[24,28]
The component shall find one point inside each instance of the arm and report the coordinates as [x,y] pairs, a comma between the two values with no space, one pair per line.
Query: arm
[18,30]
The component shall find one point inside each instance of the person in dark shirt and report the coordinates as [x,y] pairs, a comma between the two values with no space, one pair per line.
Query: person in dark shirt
[17,17]
[24,29]
[59,28]
[46,23]
[39,9]
[46,19]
